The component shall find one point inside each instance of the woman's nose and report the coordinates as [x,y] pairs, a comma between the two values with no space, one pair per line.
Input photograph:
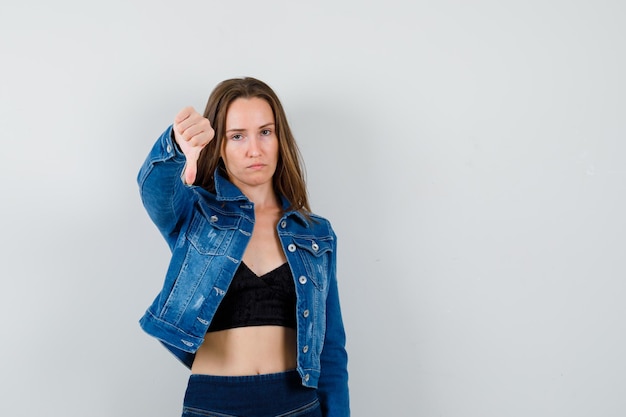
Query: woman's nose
[253,147]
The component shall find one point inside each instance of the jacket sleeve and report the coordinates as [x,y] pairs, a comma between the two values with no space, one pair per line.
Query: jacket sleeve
[333,382]
[163,193]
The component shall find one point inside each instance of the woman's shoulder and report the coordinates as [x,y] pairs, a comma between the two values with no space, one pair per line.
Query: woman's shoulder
[319,218]
[320,225]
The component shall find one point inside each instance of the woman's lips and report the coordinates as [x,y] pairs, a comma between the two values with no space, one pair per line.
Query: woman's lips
[256,166]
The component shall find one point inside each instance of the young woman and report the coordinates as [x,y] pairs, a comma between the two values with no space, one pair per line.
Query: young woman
[250,300]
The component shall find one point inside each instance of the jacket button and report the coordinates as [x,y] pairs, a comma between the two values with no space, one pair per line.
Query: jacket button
[306,378]
[283,224]
[169,149]
[305,313]
[305,349]
[213,218]
[291,247]
[315,246]
[302,280]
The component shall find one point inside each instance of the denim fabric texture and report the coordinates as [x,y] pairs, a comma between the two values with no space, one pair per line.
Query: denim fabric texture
[270,395]
[207,234]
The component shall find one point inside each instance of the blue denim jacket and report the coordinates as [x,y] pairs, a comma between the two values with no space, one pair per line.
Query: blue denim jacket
[207,234]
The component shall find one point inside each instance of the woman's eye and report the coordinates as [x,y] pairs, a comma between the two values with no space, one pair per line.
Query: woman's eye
[266,132]
[237,137]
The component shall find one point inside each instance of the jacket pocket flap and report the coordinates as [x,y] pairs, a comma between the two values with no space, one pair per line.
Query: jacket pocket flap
[315,246]
[219,219]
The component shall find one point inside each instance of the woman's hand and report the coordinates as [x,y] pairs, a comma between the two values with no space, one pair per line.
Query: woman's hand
[192,132]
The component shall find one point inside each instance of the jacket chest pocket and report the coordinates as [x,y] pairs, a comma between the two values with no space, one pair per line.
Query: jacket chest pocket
[211,233]
[316,255]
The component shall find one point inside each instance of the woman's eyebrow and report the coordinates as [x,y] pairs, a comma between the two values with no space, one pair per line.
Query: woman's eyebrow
[235,129]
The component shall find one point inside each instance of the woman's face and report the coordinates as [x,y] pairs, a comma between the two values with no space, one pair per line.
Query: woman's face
[251,146]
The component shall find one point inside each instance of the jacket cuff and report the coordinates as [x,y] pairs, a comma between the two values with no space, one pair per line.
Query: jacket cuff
[169,147]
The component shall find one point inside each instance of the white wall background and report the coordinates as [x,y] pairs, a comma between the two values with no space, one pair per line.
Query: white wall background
[471,156]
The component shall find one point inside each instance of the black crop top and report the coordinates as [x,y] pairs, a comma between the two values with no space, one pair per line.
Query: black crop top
[256,301]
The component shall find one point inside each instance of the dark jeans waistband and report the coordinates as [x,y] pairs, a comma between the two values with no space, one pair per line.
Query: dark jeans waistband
[279,394]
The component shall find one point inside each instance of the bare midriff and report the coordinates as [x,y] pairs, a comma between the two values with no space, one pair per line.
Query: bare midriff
[247,351]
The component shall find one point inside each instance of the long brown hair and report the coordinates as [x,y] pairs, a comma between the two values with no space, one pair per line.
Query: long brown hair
[289,178]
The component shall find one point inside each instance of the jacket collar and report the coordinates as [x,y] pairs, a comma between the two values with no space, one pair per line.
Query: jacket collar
[227,191]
